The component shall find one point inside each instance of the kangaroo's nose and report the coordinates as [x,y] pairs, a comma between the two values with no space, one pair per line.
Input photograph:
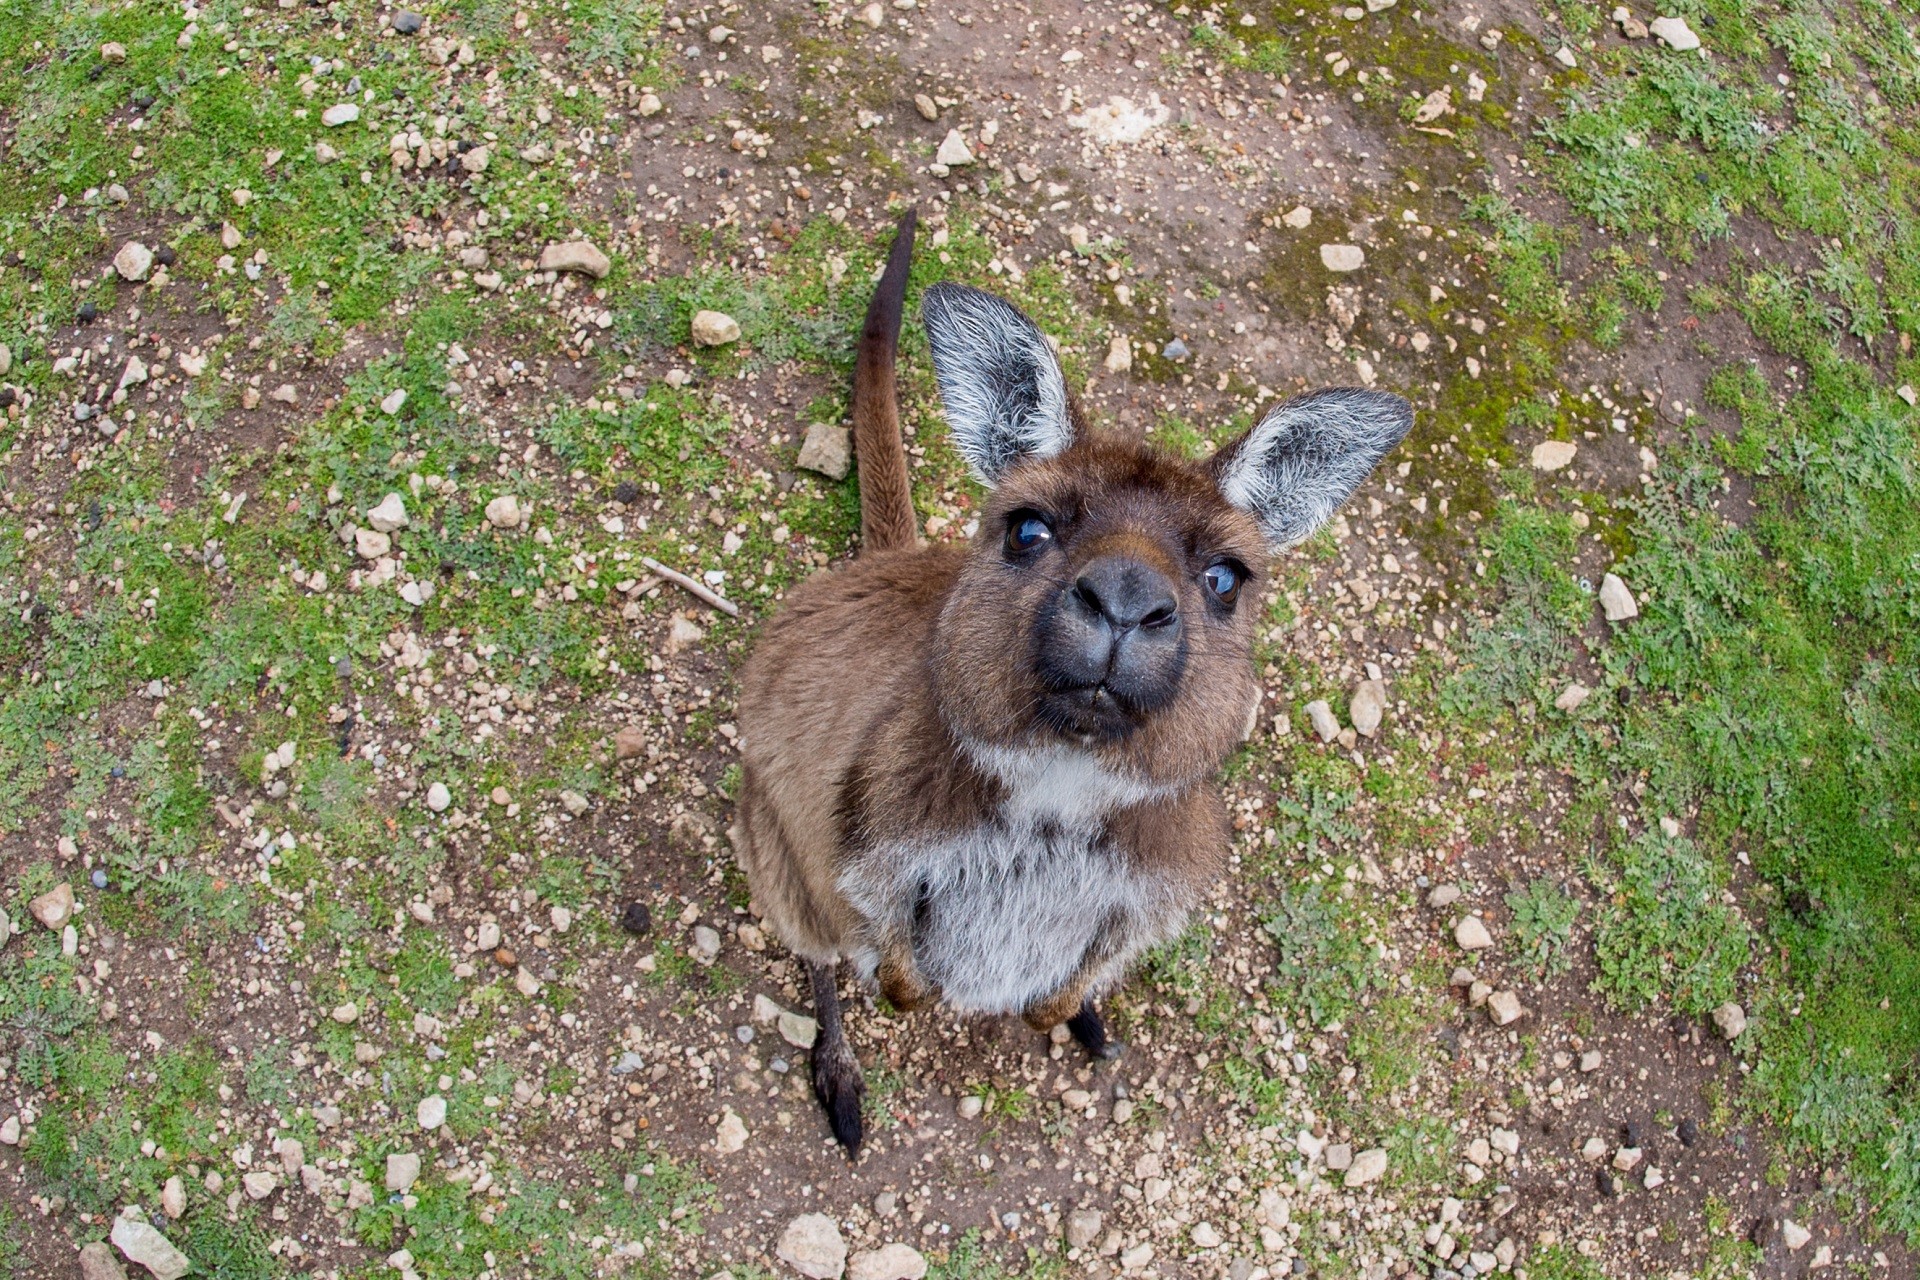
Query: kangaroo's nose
[1126,594]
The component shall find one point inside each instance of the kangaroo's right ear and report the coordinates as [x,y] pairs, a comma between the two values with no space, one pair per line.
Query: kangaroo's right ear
[1005,396]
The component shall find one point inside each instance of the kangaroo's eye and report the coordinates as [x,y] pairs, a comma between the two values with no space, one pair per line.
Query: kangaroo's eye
[1026,532]
[1223,580]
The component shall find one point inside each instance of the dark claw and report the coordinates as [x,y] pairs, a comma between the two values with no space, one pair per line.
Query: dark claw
[837,1083]
[1091,1033]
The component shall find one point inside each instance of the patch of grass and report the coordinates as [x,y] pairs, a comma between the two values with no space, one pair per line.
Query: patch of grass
[1324,967]
[1543,916]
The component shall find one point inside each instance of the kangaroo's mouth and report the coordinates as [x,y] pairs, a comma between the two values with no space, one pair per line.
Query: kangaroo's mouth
[1090,711]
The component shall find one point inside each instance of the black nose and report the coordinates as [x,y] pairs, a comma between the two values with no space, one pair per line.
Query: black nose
[1125,594]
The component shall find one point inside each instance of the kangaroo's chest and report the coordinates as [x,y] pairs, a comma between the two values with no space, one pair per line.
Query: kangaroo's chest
[1004,916]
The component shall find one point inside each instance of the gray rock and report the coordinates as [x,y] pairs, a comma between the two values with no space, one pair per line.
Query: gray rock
[408,23]
[889,1262]
[1320,715]
[1176,350]
[813,1246]
[1674,33]
[54,907]
[714,329]
[828,449]
[1342,257]
[1368,1166]
[134,261]
[1443,896]
[576,255]
[98,1263]
[403,1170]
[1369,705]
[1731,1019]
[1616,602]
[143,1243]
[953,150]
[1504,1007]
[1471,933]
[797,1029]
[339,114]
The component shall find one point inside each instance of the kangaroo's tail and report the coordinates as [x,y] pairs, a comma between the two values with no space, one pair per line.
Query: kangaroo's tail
[886,498]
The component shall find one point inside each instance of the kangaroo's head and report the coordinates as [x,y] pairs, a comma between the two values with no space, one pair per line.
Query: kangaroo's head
[1110,596]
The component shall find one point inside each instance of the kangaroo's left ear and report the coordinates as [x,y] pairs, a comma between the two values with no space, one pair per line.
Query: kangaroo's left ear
[1307,456]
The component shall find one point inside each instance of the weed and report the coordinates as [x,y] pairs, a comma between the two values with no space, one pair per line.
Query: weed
[1543,916]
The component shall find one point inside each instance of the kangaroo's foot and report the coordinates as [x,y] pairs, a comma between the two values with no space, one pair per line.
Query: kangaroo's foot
[1091,1032]
[836,1072]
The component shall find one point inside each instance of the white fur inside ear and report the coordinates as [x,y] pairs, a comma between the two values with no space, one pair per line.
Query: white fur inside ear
[1306,458]
[1005,397]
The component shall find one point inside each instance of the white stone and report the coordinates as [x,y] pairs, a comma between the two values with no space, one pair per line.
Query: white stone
[813,1246]
[1083,1228]
[953,150]
[143,1243]
[260,1184]
[1627,1158]
[1343,257]
[371,544]
[576,255]
[54,907]
[1794,1235]
[1368,1166]
[890,1262]
[390,403]
[1205,1236]
[1504,1007]
[1731,1019]
[1616,602]
[504,512]
[432,1112]
[828,450]
[1119,354]
[1299,217]
[134,374]
[98,1263]
[1320,715]
[133,261]
[340,113]
[1472,935]
[714,329]
[1571,697]
[1552,455]
[731,1135]
[173,1197]
[403,1170]
[969,1107]
[797,1029]
[1369,705]
[113,51]
[438,797]
[390,514]
[1674,33]
[10,1131]
[346,1014]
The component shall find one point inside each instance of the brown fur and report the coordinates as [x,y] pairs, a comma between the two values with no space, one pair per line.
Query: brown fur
[850,703]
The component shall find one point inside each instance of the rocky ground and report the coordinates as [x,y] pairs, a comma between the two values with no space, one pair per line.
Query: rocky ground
[373,379]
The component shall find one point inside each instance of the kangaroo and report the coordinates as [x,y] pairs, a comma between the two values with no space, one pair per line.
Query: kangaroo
[982,775]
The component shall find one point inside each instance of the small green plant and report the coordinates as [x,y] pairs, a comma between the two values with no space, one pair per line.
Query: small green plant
[1324,967]
[1543,916]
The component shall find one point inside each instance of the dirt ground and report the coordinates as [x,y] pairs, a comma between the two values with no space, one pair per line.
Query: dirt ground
[1579,1136]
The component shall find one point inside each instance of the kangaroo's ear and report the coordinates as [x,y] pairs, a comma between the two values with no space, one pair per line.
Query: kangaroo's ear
[1307,456]
[1006,400]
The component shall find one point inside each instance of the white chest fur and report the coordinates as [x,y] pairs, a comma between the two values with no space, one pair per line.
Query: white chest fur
[1005,914]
